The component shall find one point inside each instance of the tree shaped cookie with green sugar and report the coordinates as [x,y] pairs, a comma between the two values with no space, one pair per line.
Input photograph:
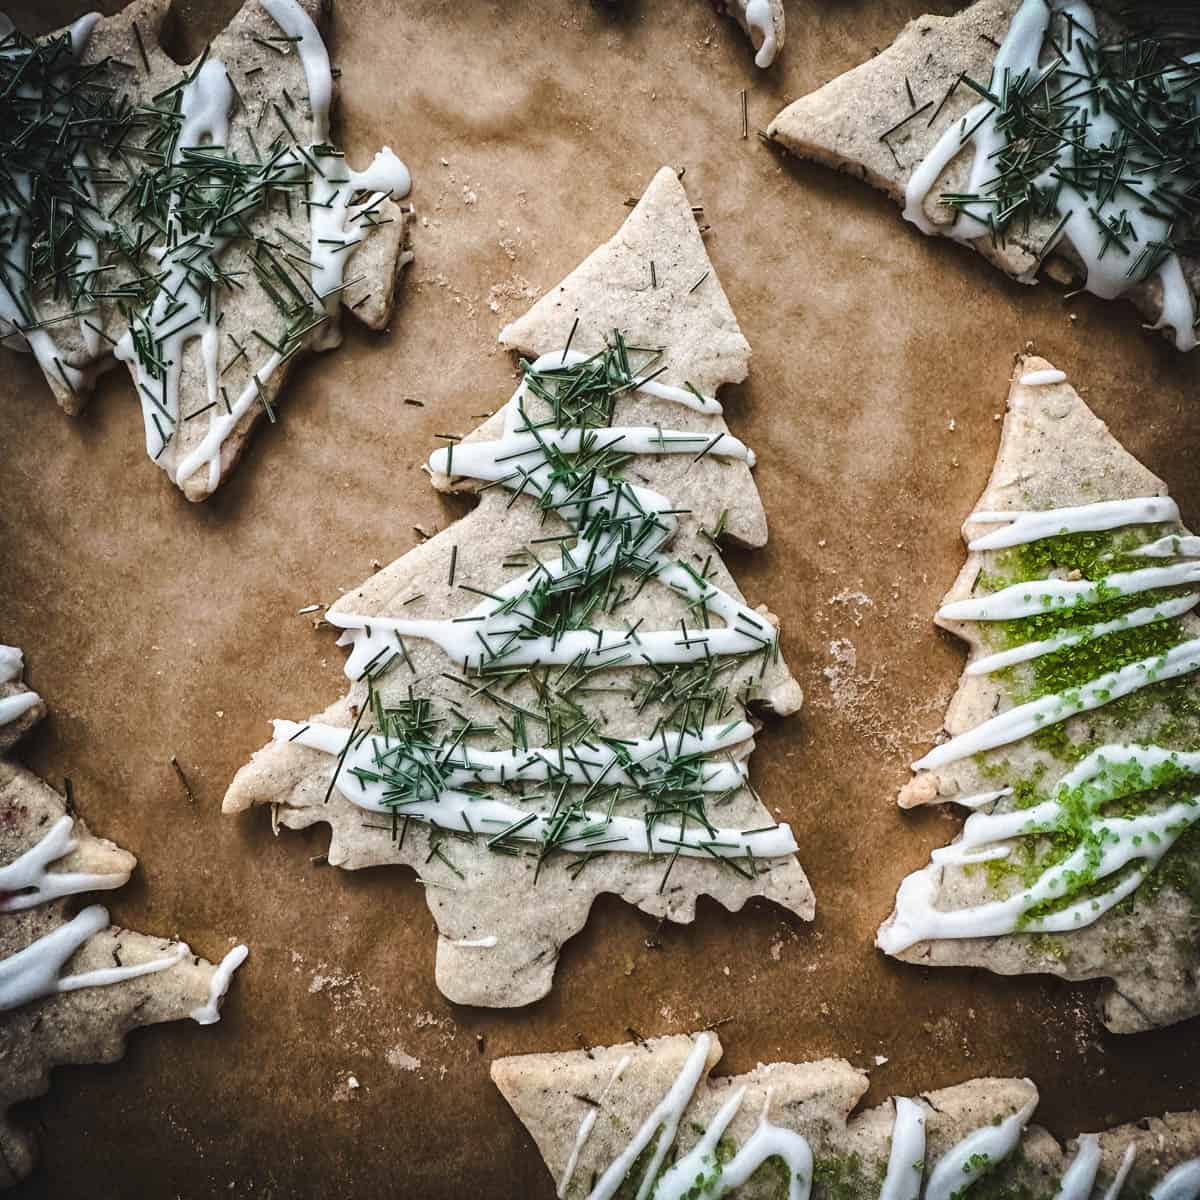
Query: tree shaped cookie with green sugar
[1035,133]
[71,984]
[195,224]
[557,696]
[1074,736]
[646,1118]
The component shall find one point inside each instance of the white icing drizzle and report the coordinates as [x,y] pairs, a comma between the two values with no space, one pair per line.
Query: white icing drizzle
[1112,844]
[1020,528]
[906,1162]
[1110,267]
[586,1126]
[758,20]
[1028,718]
[209,1013]
[480,943]
[1027,651]
[1056,595]
[491,623]
[14,706]
[1114,1188]
[35,972]
[12,663]
[1043,378]
[455,809]
[1183,1183]
[1080,1176]
[296,23]
[26,882]
[665,1117]
[982,799]
[1174,545]
[767,1141]
[969,1160]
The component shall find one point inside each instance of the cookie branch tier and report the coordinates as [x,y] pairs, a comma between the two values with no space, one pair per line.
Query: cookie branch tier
[1074,733]
[558,695]
[646,1121]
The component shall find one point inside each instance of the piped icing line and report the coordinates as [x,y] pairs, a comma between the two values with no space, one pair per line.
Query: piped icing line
[35,972]
[310,46]
[1182,1183]
[1023,527]
[25,882]
[1028,651]
[767,1141]
[1080,1176]
[1024,719]
[1043,378]
[1174,545]
[981,799]
[665,1118]
[1039,596]
[480,943]
[586,1126]
[1108,846]
[16,705]
[1118,1183]
[1111,266]
[906,1160]
[965,1163]
[369,768]
[209,1013]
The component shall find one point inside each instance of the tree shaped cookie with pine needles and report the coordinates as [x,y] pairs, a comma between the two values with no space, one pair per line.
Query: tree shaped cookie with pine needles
[72,985]
[646,1119]
[556,696]
[195,224]
[1036,133]
[1075,731]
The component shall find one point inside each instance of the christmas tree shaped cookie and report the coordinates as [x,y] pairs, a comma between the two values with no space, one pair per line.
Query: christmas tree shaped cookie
[557,696]
[194,223]
[645,1119]
[1033,132]
[72,985]
[1074,736]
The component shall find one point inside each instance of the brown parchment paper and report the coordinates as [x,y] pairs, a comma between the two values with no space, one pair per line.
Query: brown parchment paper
[155,627]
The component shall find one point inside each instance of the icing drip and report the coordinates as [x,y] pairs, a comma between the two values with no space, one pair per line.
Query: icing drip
[12,707]
[373,769]
[586,1126]
[758,20]
[1112,264]
[34,972]
[965,1163]
[1183,1183]
[767,1141]
[1043,378]
[209,1013]
[1080,1176]
[1056,595]
[664,1120]
[493,630]
[1107,846]
[1114,1188]
[296,23]
[26,882]
[1028,718]
[1131,620]
[906,1162]
[1020,528]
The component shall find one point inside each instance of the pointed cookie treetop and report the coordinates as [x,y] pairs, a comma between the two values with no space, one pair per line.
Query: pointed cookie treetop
[647,1119]
[1031,131]
[1076,726]
[556,696]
